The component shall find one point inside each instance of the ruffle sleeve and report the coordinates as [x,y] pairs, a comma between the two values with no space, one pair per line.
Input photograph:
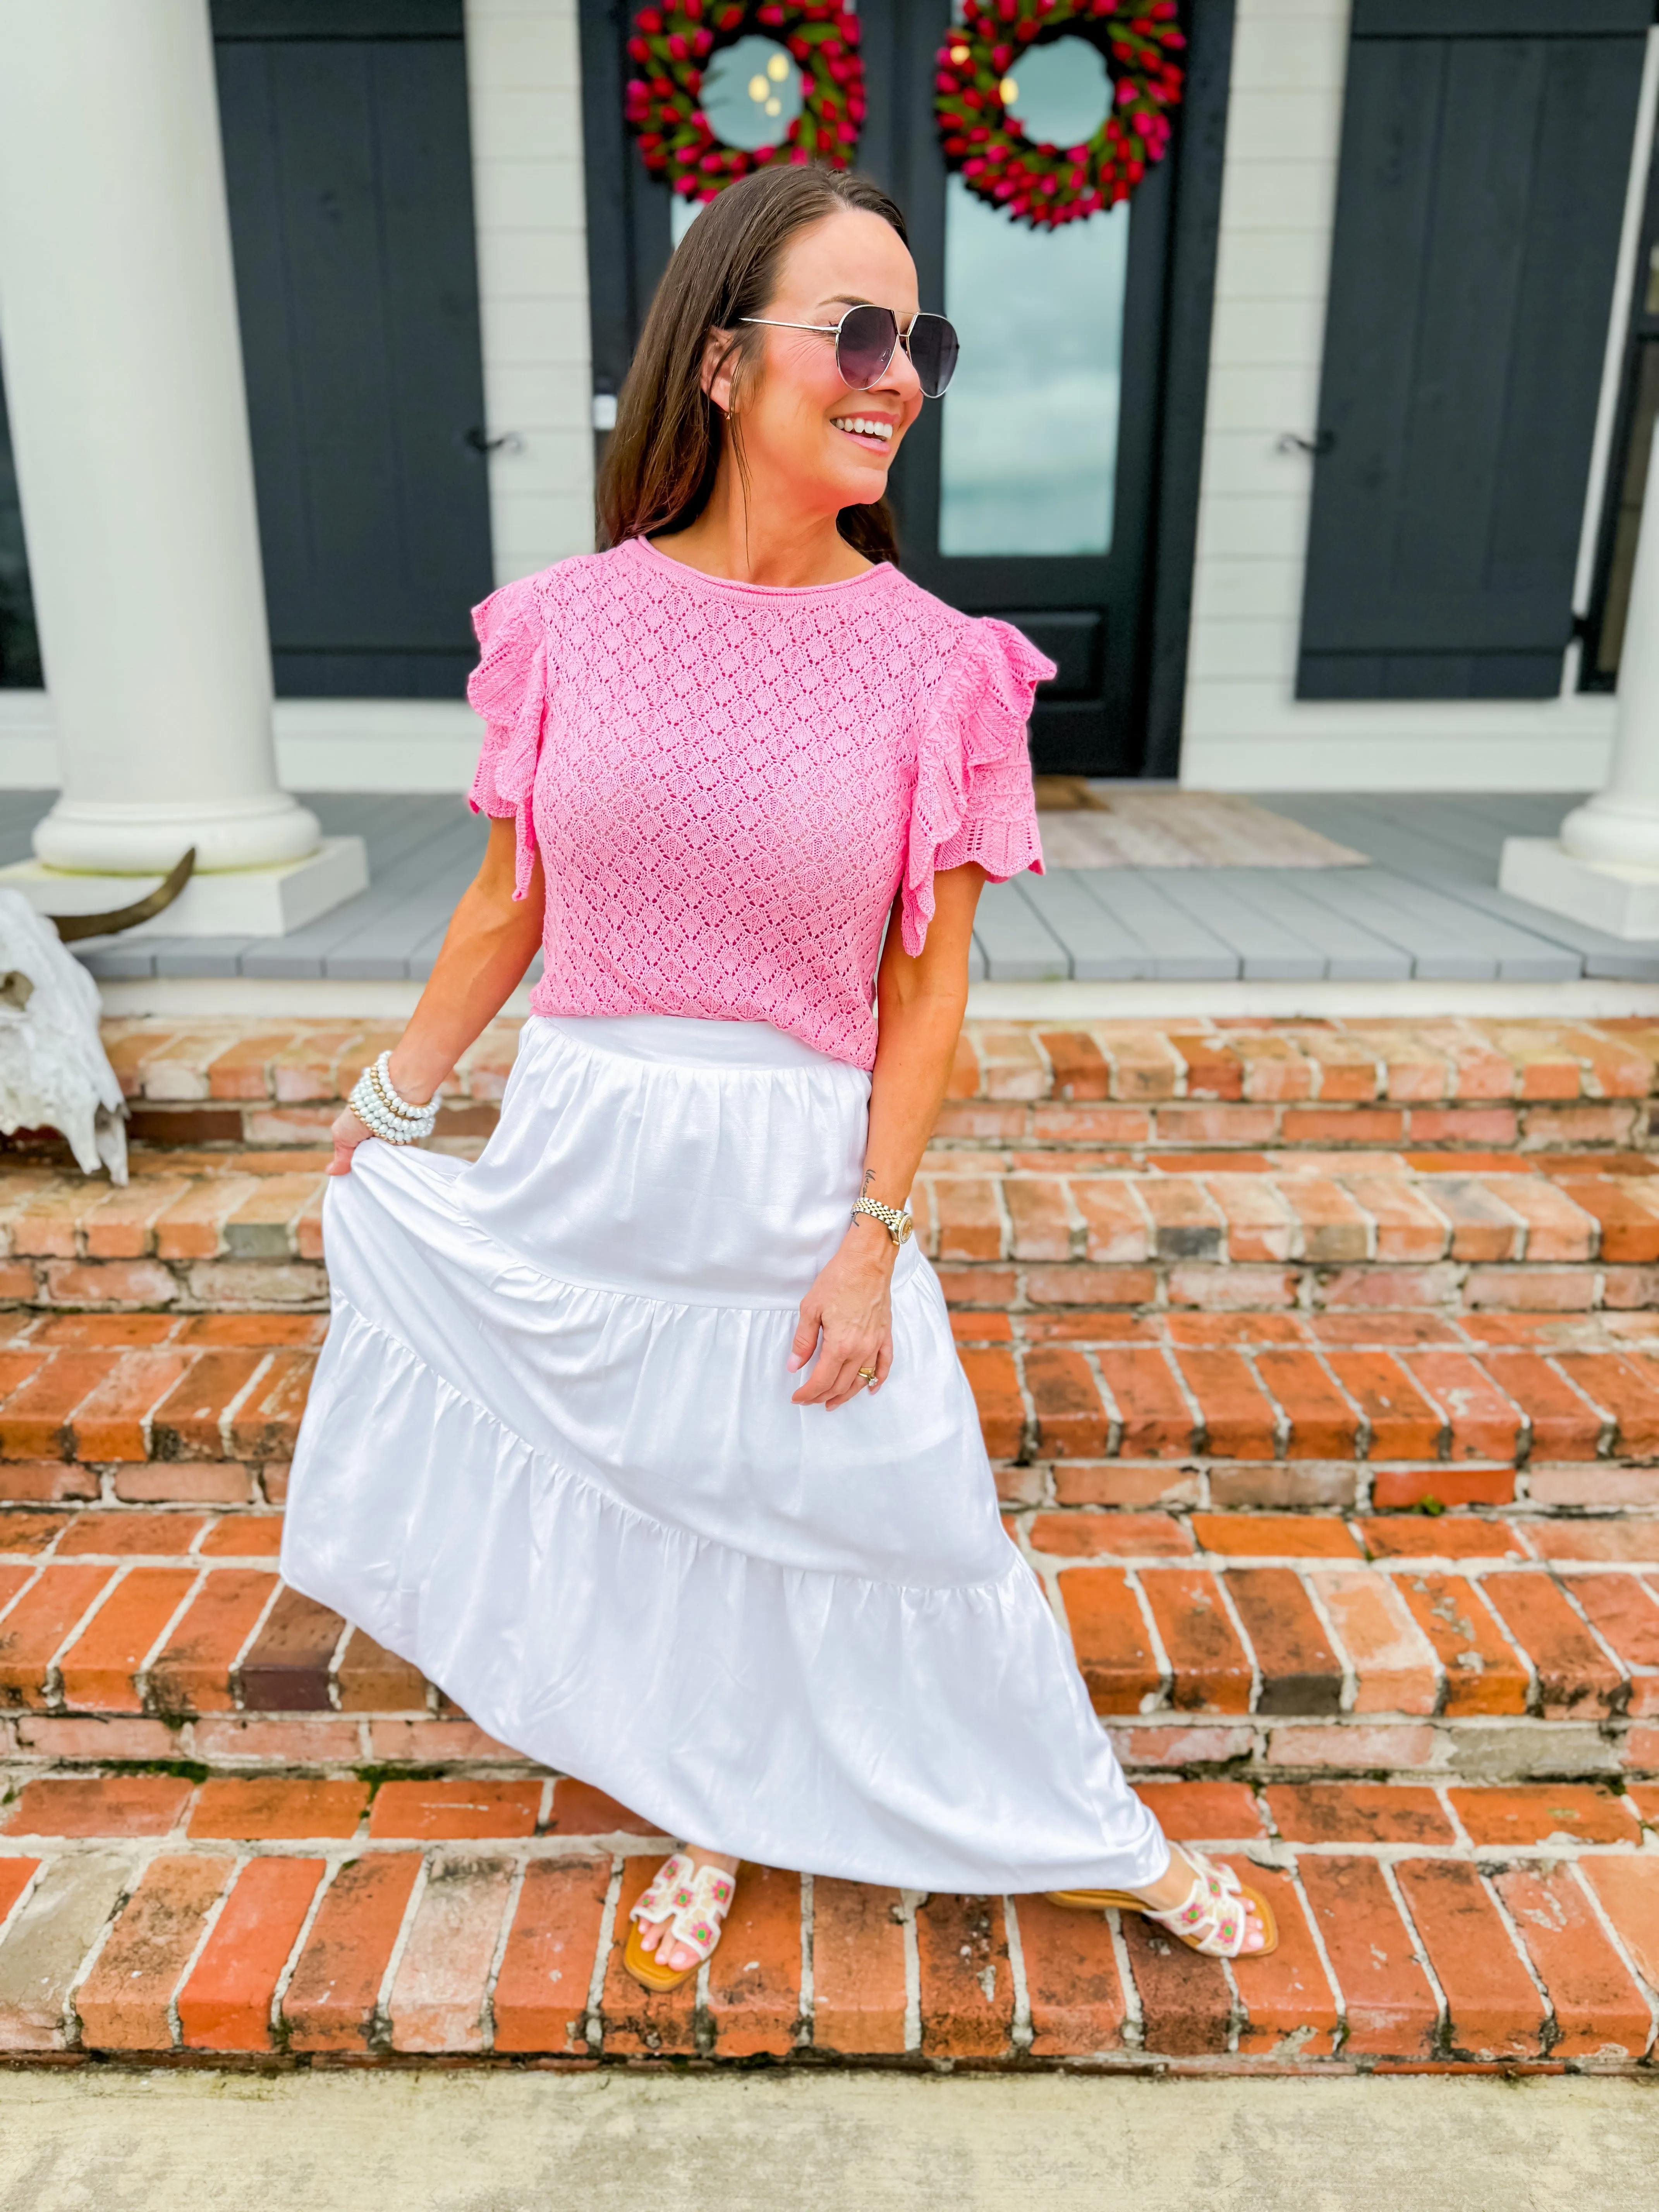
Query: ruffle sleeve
[509,689]
[974,800]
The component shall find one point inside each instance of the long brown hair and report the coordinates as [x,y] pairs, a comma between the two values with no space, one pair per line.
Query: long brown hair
[660,460]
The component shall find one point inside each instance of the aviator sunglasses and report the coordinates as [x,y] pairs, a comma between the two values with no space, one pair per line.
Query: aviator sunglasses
[867,337]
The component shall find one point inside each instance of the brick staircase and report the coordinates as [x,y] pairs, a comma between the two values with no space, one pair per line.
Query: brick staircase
[1319,1365]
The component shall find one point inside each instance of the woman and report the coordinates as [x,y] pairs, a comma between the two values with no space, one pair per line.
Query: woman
[644,1436]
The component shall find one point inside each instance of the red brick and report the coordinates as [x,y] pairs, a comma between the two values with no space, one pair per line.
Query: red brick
[14,1874]
[1545,1813]
[582,1810]
[1493,2009]
[1123,1536]
[268,1808]
[857,1969]
[98,1805]
[1078,1065]
[1071,1419]
[44,1482]
[28,1535]
[1540,1290]
[36,1421]
[1186,1225]
[371,1680]
[287,1668]
[1628,1890]
[1483,1227]
[192,1672]
[188,1422]
[1288,2004]
[162,1482]
[1628,1393]
[1368,1288]
[113,1421]
[226,2003]
[1315,1125]
[1184,2001]
[268,1330]
[437,1999]
[968,1214]
[754,1978]
[1109,1634]
[1388,2004]
[1483,1674]
[1078,1284]
[1155,1419]
[1629,1218]
[1211,1668]
[967,1987]
[1392,1661]
[1357,1812]
[1557,1228]
[329,2001]
[1599,2010]
[1573,1672]
[1332,1230]
[1204,1812]
[1233,1290]
[1075,1990]
[1463,1126]
[446,1811]
[130,1535]
[1405,1225]
[640,2022]
[995,1386]
[1404,1488]
[1300,1672]
[1485,1423]
[1110,1483]
[1269,1535]
[1260,1225]
[1401,1422]
[124,2002]
[1321,1423]
[244,1536]
[1624,1613]
[38,1623]
[1439,1536]
[540,1999]
[266,1424]
[1237,1417]
[1039,1218]
[99,1672]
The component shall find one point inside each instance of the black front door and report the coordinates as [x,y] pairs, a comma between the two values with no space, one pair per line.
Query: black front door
[348,173]
[1055,484]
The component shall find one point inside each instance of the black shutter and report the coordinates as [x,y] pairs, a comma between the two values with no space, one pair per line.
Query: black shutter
[1485,151]
[348,172]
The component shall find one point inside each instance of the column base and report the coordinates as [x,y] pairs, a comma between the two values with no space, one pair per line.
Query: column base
[1622,901]
[231,902]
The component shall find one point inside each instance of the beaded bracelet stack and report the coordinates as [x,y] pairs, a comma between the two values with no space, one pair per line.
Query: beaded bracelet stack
[375,1101]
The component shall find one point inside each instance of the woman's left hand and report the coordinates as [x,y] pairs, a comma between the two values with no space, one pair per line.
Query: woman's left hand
[848,1316]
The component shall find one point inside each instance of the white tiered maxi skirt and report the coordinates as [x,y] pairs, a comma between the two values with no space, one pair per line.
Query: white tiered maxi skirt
[550,1459]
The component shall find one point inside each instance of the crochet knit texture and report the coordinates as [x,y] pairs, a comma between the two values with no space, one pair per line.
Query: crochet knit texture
[729,784]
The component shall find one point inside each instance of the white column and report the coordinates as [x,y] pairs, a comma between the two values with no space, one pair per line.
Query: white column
[129,422]
[1604,868]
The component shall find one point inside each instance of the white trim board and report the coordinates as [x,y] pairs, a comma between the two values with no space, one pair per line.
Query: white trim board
[193,998]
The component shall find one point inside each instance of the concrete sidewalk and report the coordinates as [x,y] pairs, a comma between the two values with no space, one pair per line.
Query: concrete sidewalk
[618,2142]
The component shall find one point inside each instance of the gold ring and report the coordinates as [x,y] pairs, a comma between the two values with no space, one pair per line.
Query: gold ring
[866,1375]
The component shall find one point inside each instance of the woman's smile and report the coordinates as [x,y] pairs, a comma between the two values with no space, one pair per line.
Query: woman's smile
[874,431]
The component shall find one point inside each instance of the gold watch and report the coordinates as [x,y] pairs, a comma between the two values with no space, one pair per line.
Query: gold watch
[893,1218]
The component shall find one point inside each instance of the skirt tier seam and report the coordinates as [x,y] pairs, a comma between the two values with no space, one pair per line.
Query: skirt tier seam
[993,1583]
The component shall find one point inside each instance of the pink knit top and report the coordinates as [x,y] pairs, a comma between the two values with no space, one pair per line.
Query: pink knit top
[729,784]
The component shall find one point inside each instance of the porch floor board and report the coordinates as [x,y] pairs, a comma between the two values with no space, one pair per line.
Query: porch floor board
[1428,907]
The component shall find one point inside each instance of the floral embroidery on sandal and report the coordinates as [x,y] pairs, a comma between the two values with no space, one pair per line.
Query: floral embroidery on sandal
[694,1901]
[1212,1919]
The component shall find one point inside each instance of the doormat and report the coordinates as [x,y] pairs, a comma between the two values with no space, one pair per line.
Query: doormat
[1087,827]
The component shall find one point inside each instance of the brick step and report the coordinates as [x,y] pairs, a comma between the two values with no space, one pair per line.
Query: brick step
[1485,1646]
[1386,1411]
[1435,1085]
[467,1917]
[1318,1231]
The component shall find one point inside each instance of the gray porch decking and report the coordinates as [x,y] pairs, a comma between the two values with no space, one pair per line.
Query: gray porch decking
[1428,907]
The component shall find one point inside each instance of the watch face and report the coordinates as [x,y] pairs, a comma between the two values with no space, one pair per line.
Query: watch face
[904,1229]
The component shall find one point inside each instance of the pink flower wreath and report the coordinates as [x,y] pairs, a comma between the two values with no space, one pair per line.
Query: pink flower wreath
[670,47]
[1038,183]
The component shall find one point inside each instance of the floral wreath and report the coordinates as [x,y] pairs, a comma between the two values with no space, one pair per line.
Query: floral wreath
[1038,183]
[670,45]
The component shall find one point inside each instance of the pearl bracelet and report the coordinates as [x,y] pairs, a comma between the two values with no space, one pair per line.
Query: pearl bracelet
[376,1103]
[394,1099]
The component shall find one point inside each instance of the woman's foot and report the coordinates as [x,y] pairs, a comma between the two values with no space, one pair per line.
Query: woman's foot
[1174,1889]
[655,1936]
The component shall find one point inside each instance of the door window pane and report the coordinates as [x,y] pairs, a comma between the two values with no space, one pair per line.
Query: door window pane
[1029,458]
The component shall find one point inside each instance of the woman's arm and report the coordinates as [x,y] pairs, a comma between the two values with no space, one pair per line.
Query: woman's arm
[921,1003]
[490,941]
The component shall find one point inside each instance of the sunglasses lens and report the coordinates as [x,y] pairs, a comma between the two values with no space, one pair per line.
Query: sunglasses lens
[933,349]
[868,336]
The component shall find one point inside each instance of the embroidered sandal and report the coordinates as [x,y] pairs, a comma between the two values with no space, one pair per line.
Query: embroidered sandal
[1212,1920]
[694,1900]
